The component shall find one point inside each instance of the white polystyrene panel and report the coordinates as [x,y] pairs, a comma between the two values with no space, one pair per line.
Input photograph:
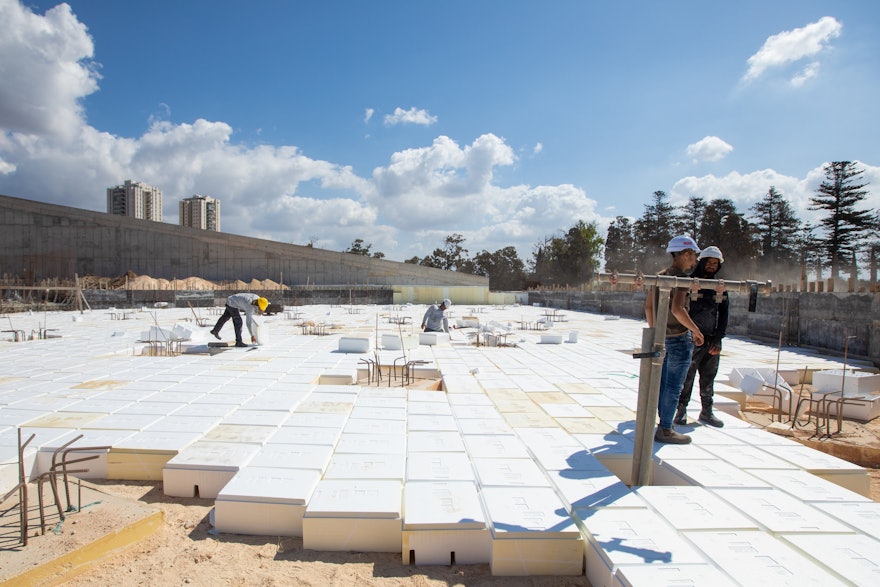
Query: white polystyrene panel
[366,466]
[780,512]
[509,473]
[438,466]
[695,508]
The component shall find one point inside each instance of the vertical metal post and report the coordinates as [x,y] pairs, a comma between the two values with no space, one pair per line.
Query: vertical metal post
[649,391]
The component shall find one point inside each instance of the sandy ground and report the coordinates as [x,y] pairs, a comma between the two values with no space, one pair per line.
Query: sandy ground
[185,551]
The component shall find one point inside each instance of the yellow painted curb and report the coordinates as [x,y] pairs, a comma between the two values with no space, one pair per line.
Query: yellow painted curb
[64,568]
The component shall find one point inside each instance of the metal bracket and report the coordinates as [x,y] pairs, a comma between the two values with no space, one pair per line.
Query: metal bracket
[648,355]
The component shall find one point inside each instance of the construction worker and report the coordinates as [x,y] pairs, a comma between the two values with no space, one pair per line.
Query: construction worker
[434,320]
[235,305]
[681,335]
[709,308]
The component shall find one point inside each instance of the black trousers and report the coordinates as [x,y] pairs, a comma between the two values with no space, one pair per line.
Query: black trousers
[707,366]
[235,314]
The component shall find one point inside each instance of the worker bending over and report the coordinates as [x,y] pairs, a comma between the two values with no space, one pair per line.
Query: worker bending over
[434,320]
[235,305]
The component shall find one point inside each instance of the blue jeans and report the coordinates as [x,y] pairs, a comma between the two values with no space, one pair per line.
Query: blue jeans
[675,367]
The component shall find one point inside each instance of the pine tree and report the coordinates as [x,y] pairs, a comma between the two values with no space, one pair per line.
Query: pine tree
[690,217]
[777,227]
[725,227]
[620,246]
[844,224]
[653,231]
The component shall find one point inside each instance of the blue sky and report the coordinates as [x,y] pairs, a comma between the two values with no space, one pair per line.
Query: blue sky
[402,122]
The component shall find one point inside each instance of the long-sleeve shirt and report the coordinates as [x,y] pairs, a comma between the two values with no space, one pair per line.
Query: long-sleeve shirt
[434,320]
[245,303]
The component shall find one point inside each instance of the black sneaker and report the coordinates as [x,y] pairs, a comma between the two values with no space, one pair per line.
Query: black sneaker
[241,345]
[216,335]
[710,419]
[680,416]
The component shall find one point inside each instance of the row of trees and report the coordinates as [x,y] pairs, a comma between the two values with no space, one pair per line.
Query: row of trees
[771,242]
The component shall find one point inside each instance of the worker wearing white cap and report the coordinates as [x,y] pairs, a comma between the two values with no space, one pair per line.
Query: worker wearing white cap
[709,309]
[681,335]
[434,320]
[235,305]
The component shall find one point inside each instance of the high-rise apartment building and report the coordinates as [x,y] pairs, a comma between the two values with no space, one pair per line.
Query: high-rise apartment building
[200,212]
[136,199]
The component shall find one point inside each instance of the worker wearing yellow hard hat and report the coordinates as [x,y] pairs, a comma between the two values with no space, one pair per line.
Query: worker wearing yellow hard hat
[235,305]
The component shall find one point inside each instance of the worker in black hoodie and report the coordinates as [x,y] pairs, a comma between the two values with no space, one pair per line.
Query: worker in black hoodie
[709,310]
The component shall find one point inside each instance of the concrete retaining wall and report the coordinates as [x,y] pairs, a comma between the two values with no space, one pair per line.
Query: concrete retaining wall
[40,241]
[817,320]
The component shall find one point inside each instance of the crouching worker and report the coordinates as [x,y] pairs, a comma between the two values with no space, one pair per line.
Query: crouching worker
[434,320]
[235,305]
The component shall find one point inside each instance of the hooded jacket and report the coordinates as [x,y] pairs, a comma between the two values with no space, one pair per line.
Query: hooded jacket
[708,309]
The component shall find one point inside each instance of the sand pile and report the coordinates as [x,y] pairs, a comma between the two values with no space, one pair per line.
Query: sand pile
[131,280]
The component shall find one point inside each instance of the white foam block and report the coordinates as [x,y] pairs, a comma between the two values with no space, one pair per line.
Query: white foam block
[621,536]
[710,473]
[839,471]
[852,556]
[494,446]
[353,344]
[438,466]
[862,516]
[756,558]
[671,575]
[444,521]
[294,456]
[266,501]
[433,338]
[695,508]
[809,487]
[780,512]
[321,435]
[366,466]
[205,468]
[531,533]
[593,489]
[509,473]
[371,444]
[434,441]
[361,515]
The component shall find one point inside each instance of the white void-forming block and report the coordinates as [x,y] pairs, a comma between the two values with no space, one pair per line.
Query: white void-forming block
[509,473]
[354,344]
[853,383]
[294,456]
[438,466]
[265,501]
[780,513]
[85,447]
[496,426]
[852,556]
[863,516]
[433,338]
[756,558]
[434,441]
[495,446]
[551,339]
[809,487]
[749,457]
[361,515]
[829,467]
[670,576]
[391,342]
[338,377]
[239,434]
[371,444]
[621,536]
[443,524]
[695,508]
[706,473]
[532,534]
[204,468]
[430,422]
[367,466]
[593,489]
[321,435]
[142,456]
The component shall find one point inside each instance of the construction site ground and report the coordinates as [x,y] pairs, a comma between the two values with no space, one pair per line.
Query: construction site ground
[130,533]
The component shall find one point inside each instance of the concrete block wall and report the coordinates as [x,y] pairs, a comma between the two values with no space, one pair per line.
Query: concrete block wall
[40,241]
[818,320]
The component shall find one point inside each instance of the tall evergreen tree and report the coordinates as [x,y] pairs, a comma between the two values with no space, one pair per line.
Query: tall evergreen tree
[653,232]
[621,254]
[504,268]
[690,217]
[725,227]
[570,259]
[844,224]
[776,227]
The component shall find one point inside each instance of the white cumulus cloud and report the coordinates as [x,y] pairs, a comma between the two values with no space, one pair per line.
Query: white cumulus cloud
[792,46]
[411,116]
[710,148]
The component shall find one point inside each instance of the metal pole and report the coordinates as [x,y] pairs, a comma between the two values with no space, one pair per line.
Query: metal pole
[643,450]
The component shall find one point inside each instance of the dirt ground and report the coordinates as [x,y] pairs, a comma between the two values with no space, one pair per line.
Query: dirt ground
[185,551]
